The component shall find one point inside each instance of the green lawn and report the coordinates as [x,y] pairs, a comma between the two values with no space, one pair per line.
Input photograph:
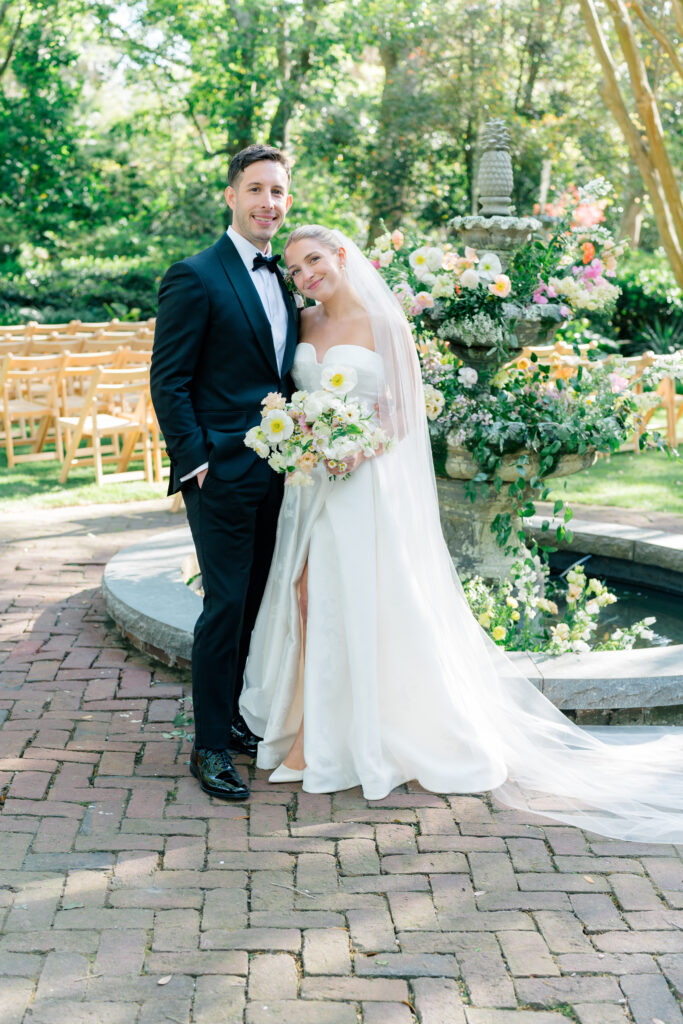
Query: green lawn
[37,484]
[649,482]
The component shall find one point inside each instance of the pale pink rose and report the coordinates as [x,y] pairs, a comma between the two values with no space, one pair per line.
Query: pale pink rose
[273,400]
[610,266]
[425,299]
[617,382]
[376,264]
[471,255]
[307,462]
[397,238]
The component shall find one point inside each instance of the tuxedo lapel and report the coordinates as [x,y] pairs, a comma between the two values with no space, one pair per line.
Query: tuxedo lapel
[292,325]
[243,286]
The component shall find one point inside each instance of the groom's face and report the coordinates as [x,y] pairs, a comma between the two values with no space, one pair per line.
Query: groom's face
[259,201]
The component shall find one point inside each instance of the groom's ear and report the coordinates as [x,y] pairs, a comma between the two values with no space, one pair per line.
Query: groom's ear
[230,197]
[290,197]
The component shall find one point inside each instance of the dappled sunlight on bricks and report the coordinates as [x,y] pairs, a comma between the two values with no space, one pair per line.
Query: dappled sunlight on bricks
[292,908]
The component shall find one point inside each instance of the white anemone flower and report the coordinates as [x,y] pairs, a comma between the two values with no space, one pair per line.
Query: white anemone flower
[489,266]
[339,379]
[256,440]
[277,426]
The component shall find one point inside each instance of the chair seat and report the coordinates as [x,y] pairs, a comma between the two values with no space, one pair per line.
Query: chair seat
[22,407]
[103,422]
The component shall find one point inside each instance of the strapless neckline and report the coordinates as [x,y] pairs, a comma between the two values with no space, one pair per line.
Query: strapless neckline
[333,348]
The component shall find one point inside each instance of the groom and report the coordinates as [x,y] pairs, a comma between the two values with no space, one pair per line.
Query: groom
[225,336]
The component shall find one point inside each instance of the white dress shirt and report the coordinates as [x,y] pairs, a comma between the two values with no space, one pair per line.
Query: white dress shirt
[268,287]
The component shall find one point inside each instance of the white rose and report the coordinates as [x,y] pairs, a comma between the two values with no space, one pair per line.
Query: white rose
[385,258]
[298,479]
[313,408]
[469,278]
[468,376]
[444,287]
[434,258]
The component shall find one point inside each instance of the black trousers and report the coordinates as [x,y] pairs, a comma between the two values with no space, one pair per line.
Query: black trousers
[233,526]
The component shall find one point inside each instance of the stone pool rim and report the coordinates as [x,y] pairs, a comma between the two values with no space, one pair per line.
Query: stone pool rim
[146,595]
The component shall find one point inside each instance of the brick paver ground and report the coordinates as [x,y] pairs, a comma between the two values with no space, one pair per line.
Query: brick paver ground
[127,896]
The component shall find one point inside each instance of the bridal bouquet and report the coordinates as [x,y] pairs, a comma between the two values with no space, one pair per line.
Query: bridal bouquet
[324,426]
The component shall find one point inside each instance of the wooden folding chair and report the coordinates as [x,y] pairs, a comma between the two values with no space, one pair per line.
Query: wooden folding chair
[638,364]
[13,345]
[77,377]
[29,386]
[116,406]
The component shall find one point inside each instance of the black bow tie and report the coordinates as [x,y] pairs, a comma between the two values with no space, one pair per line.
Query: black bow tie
[270,262]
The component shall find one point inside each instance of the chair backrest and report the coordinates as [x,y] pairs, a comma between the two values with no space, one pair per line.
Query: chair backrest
[20,373]
[49,346]
[13,345]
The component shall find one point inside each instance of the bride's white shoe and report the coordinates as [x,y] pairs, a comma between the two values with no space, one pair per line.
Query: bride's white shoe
[285,774]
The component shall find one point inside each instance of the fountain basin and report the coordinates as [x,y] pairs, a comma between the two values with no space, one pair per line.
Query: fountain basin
[146,594]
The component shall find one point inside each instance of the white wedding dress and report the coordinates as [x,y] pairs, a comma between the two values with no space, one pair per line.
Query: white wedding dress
[399,681]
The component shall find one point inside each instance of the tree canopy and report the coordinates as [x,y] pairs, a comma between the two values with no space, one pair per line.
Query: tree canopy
[118,119]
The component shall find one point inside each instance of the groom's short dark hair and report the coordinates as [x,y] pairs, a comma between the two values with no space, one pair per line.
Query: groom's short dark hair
[251,155]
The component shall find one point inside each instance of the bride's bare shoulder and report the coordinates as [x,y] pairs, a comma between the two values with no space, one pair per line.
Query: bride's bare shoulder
[307,321]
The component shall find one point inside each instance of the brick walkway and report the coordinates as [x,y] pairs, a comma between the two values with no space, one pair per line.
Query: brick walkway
[129,897]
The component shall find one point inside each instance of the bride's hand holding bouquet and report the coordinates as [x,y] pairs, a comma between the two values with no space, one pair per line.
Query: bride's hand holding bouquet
[324,426]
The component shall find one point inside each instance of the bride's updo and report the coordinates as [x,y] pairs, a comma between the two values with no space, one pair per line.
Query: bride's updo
[324,235]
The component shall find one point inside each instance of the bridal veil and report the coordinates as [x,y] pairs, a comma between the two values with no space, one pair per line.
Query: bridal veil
[541,761]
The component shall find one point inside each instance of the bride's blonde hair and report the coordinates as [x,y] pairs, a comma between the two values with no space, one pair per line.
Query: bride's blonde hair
[324,235]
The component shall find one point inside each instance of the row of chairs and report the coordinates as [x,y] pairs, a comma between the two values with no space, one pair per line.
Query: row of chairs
[75,337]
[81,407]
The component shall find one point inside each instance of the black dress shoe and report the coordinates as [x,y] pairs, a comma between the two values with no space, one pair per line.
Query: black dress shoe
[217,774]
[242,740]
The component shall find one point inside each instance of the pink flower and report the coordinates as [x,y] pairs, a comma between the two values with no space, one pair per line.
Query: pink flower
[397,238]
[425,300]
[594,270]
[539,297]
[500,286]
[617,383]
[550,291]
[376,264]
[565,311]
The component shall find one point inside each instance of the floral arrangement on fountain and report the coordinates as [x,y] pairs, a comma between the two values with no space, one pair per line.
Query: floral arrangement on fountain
[527,414]
[468,315]
[529,612]
[470,302]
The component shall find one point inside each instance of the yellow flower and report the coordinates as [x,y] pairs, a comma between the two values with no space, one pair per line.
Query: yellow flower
[512,602]
[523,363]
[498,633]
[484,620]
[515,616]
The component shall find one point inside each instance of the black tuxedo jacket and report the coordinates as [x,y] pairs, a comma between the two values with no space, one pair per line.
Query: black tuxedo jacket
[213,362]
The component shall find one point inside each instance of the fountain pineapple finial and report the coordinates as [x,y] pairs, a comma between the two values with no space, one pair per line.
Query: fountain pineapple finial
[494,179]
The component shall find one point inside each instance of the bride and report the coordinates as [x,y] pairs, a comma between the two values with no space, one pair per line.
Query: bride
[366,666]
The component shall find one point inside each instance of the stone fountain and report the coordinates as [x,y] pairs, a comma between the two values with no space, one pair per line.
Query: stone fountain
[466,524]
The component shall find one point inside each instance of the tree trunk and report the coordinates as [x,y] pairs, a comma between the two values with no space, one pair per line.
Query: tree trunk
[392,155]
[649,154]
